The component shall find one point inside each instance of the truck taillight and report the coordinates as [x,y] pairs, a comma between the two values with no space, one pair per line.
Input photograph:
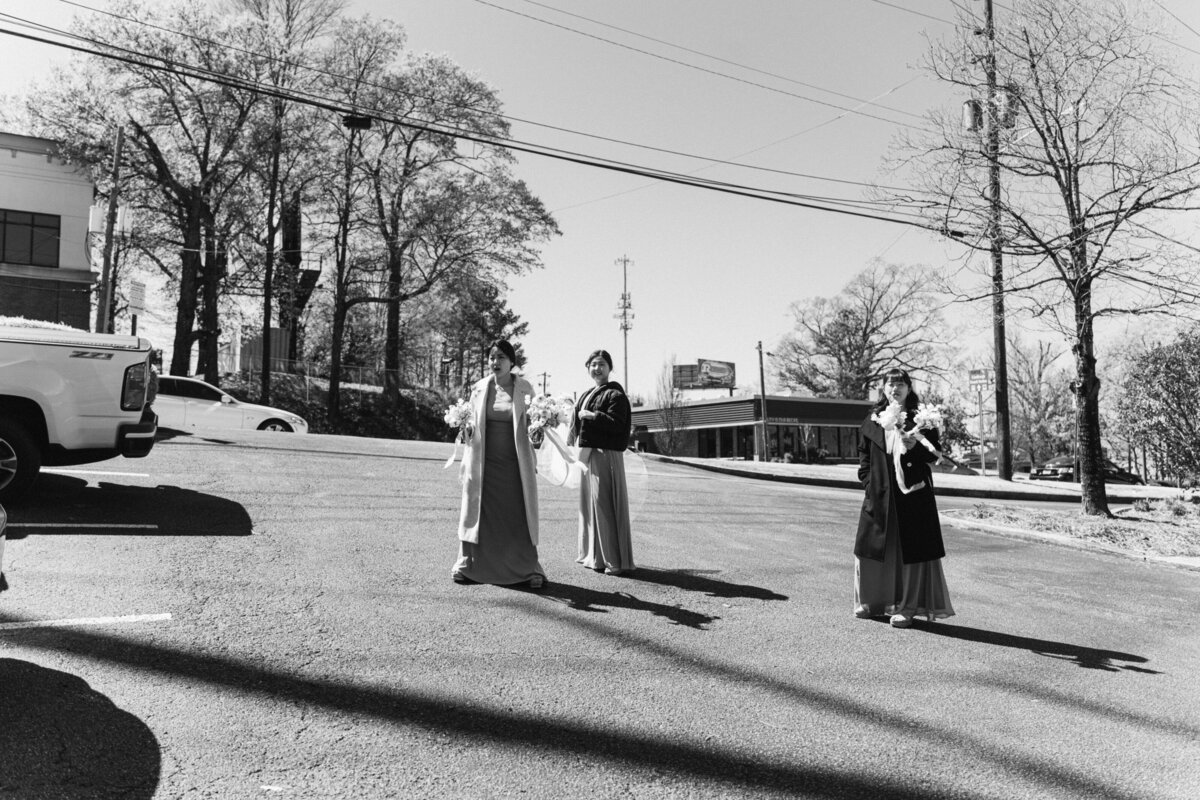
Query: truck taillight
[135,388]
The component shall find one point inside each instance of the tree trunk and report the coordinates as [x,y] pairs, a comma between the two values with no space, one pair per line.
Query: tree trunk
[269,259]
[391,343]
[189,272]
[1086,388]
[210,314]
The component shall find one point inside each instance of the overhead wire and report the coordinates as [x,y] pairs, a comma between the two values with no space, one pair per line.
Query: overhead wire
[722,60]
[687,65]
[186,70]
[507,117]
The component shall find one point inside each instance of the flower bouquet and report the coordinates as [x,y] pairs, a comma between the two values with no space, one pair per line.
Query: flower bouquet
[546,413]
[461,416]
[928,417]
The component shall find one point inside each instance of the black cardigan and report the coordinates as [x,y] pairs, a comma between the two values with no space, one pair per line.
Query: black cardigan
[610,428]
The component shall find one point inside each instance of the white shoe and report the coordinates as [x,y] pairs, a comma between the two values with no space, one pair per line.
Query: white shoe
[863,612]
[901,621]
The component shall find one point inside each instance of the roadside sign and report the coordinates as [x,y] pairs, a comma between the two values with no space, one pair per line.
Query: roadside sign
[980,379]
[137,297]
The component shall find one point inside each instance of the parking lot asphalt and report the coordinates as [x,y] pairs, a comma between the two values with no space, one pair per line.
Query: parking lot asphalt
[953,484]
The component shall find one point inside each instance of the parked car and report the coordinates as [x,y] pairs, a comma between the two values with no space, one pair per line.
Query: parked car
[1062,468]
[189,403]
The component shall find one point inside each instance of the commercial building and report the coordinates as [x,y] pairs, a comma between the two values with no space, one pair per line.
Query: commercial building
[797,428]
[45,272]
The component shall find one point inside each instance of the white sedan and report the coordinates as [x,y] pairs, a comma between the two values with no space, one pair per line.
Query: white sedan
[188,403]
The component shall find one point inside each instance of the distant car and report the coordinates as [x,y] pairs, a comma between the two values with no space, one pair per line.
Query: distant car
[1062,468]
[188,403]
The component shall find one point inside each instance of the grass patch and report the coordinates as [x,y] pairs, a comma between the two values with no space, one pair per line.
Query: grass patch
[1168,527]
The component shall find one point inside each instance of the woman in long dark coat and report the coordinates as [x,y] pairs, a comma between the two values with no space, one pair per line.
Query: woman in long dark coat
[898,549]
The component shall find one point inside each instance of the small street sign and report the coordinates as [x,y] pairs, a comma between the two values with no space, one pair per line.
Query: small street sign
[980,379]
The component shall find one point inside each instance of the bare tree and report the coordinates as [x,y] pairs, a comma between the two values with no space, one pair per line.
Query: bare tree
[670,411]
[887,315]
[1041,409]
[1098,141]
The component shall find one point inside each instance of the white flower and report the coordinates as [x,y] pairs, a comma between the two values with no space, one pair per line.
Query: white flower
[547,412]
[890,417]
[459,416]
[928,417]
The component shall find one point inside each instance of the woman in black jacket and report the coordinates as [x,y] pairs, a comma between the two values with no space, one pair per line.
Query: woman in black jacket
[600,426]
[898,549]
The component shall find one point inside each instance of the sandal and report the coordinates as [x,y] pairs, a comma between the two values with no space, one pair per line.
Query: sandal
[901,621]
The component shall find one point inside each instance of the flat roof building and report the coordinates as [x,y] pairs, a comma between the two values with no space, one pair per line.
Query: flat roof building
[800,429]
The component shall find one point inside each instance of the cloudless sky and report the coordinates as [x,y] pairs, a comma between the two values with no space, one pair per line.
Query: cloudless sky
[709,274]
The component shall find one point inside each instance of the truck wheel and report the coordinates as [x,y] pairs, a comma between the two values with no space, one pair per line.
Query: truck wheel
[20,460]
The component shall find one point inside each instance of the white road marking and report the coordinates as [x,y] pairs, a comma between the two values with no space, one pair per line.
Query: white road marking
[107,526]
[65,471]
[63,623]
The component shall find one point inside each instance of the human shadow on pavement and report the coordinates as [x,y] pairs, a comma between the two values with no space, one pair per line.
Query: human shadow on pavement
[63,503]
[695,580]
[62,739]
[583,599]
[1086,657]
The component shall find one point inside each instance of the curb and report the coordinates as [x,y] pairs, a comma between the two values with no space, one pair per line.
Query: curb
[1190,563]
[942,491]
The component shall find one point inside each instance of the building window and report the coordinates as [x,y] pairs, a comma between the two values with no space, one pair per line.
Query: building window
[27,238]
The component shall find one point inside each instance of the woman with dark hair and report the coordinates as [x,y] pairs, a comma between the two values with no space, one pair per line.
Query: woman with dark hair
[898,549]
[600,426]
[498,523]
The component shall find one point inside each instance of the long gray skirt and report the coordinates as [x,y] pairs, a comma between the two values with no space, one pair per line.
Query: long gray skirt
[505,554]
[893,587]
[605,538]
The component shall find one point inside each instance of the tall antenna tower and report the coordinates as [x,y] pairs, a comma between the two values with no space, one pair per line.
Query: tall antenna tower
[625,313]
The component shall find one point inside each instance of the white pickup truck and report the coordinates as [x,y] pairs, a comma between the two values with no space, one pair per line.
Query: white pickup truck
[70,397]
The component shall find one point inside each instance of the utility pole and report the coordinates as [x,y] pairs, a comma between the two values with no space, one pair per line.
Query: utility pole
[103,308]
[625,313]
[543,376]
[762,387]
[1004,467]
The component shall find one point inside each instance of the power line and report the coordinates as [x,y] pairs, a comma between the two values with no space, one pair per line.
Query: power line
[444,103]
[189,71]
[687,65]
[722,60]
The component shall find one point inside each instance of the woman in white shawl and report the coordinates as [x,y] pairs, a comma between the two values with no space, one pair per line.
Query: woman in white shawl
[498,523]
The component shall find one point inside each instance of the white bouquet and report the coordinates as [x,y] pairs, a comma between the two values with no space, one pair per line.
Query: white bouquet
[546,413]
[928,417]
[890,417]
[460,416]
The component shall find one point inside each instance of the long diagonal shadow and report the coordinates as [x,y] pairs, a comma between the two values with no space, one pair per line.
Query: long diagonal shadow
[938,739]
[696,580]
[583,599]
[509,729]
[1086,657]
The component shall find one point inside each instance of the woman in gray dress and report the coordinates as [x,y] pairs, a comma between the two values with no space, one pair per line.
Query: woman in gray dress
[600,426]
[498,521]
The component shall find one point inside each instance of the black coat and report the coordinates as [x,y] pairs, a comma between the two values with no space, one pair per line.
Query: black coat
[610,429]
[888,512]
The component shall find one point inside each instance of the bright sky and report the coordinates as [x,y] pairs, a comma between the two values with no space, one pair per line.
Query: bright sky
[709,274]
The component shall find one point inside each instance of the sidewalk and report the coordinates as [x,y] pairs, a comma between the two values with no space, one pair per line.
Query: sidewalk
[844,476]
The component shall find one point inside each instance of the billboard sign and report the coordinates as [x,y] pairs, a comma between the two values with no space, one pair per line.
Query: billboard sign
[705,374]
[716,374]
